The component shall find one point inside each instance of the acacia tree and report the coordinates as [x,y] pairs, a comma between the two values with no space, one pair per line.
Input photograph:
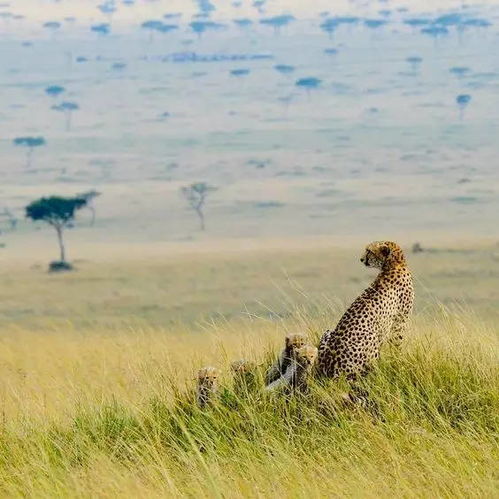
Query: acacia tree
[308,84]
[67,108]
[196,194]
[462,101]
[101,29]
[277,22]
[52,26]
[59,212]
[152,25]
[54,90]
[30,143]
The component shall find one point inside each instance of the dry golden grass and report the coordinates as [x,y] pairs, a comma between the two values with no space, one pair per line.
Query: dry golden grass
[122,292]
[101,407]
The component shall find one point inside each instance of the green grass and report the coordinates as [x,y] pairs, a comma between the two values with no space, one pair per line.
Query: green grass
[430,430]
[90,409]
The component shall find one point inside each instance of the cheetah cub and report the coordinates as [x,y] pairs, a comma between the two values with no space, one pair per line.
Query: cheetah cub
[244,375]
[291,344]
[298,371]
[379,314]
[207,386]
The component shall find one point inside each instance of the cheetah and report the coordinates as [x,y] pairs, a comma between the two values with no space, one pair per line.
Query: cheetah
[298,370]
[207,386]
[292,342]
[379,314]
[244,375]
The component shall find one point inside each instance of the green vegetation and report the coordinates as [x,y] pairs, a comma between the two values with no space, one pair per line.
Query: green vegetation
[59,213]
[105,409]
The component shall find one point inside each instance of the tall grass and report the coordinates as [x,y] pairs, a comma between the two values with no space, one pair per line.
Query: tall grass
[111,414]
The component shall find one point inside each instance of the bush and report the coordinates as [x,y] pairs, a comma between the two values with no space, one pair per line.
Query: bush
[59,266]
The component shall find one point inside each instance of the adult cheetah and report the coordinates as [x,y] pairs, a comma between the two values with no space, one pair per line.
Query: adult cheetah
[380,313]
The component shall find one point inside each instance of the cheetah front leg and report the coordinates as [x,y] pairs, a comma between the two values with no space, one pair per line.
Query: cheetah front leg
[398,331]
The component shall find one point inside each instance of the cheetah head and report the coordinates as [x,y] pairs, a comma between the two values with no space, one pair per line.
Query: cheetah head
[295,341]
[383,255]
[208,376]
[306,356]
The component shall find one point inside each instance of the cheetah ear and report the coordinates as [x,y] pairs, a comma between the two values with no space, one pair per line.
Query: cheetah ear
[385,251]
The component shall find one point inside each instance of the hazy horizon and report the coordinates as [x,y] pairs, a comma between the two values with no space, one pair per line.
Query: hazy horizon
[377,145]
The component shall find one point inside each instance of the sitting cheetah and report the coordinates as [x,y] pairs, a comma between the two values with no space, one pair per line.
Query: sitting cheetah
[381,312]
[207,387]
[244,372]
[292,342]
[298,370]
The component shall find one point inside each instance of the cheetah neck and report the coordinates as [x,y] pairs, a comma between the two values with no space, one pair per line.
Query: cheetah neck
[390,266]
[388,274]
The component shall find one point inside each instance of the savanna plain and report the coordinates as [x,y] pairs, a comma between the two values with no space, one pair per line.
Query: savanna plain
[316,137]
[97,372]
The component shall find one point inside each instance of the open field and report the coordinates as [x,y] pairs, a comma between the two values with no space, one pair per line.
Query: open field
[96,369]
[188,283]
[313,128]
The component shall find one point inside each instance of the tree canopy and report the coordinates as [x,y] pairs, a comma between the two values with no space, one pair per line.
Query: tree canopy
[56,211]
[308,83]
[54,90]
[284,68]
[29,141]
[196,196]
[102,29]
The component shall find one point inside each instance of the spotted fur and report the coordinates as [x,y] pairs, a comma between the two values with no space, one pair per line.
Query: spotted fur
[207,386]
[379,314]
[291,344]
[298,371]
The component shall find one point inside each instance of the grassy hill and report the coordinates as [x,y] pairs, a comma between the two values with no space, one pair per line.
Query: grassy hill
[96,393]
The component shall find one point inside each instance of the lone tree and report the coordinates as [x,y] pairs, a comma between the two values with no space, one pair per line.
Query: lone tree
[101,29]
[200,27]
[308,84]
[277,22]
[67,108]
[196,194]
[284,68]
[52,26]
[462,102]
[415,61]
[54,90]
[59,212]
[30,143]
[151,25]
